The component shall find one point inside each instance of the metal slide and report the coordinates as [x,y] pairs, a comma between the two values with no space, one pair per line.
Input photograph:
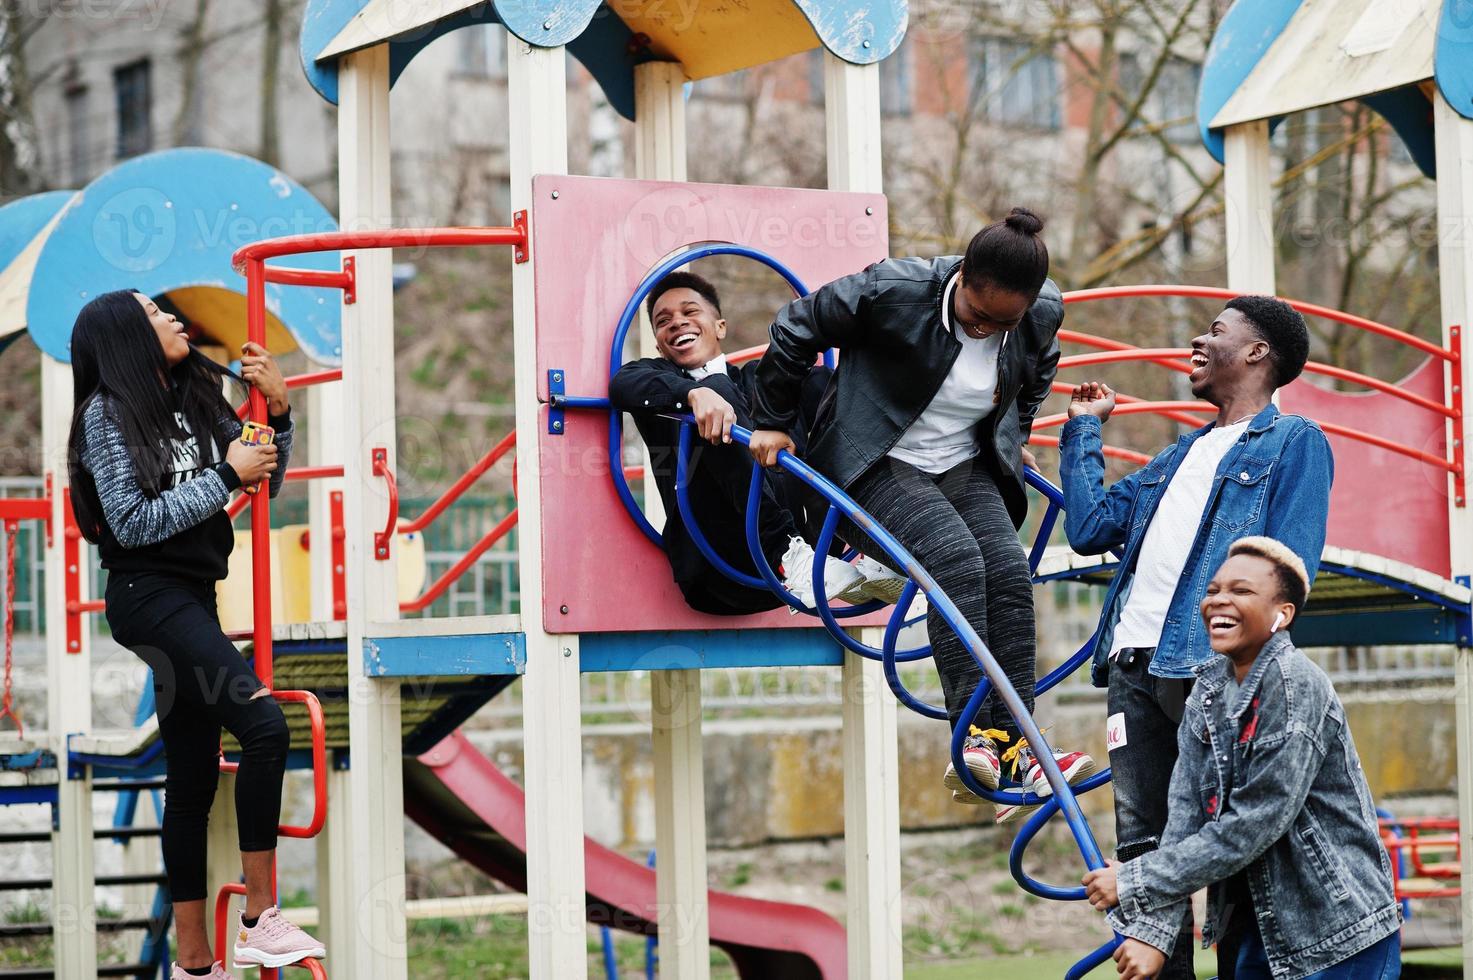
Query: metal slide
[463,800]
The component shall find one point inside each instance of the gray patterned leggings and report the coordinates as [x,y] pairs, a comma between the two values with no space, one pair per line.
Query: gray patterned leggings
[957,526]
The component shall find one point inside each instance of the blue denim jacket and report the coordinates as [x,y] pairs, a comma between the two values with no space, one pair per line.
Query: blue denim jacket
[1275,480]
[1267,780]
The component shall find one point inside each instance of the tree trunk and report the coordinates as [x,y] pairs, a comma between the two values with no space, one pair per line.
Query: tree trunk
[270,73]
[191,102]
[19,150]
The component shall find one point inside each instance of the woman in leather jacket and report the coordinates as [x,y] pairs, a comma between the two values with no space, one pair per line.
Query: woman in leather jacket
[944,364]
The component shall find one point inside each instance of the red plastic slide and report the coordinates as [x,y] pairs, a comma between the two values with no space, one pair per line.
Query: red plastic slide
[457,795]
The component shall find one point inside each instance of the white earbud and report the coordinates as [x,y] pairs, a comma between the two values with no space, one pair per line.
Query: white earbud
[1278,621]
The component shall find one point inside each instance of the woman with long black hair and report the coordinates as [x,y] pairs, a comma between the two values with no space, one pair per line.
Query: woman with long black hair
[944,364]
[154,455]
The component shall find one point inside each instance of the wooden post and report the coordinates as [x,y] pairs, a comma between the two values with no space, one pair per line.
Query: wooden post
[222,857]
[871,765]
[551,709]
[375,803]
[1455,268]
[73,899]
[675,695]
[1248,191]
[325,411]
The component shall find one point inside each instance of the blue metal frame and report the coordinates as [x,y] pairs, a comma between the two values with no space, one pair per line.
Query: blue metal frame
[1063,798]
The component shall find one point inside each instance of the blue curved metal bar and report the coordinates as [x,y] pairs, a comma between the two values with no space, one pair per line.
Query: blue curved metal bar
[764,567]
[1084,966]
[692,526]
[1066,668]
[821,607]
[892,676]
[1030,830]
[953,618]
[621,334]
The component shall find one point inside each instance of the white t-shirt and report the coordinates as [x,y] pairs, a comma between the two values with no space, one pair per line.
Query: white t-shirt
[1169,539]
[945,434]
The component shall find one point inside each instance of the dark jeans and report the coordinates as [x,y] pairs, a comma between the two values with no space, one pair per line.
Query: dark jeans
[201,683]
[1150,708]
[957,526]
[1246,959]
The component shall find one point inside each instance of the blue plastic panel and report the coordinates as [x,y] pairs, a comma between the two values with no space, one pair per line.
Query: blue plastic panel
[171,220]
[474,654]
[695,649]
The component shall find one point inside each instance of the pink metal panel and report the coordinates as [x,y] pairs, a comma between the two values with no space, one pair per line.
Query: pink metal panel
[1382,502]
[591,245]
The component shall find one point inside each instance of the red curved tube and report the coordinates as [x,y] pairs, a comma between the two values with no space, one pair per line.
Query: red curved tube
[438,587]
[382,538]
[461,485]
[1216,292]
[389,238]
[319,764]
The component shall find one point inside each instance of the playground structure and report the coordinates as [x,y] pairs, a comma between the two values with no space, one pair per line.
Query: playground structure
[620,236]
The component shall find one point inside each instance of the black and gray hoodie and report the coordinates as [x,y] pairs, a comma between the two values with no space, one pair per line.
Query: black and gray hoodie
[184,531]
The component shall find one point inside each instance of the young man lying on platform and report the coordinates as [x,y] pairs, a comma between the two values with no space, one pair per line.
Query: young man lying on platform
[691,375]
[1269,808]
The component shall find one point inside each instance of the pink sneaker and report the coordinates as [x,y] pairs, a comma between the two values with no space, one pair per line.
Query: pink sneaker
[274,942]
[217,972]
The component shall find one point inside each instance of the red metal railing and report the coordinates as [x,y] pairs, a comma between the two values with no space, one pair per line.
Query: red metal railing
[1405,840]
[1114,351]
[251,262]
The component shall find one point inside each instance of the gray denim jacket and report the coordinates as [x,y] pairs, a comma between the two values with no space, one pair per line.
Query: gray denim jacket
[1267,780]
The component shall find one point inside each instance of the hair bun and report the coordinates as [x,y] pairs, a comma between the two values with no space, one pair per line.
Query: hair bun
[1024,220]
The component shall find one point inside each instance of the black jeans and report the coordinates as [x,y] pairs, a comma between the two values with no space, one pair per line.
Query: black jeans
[201,683]
[1150,710]
[957,526]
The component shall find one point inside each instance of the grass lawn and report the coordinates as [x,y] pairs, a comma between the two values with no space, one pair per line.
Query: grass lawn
[496,949]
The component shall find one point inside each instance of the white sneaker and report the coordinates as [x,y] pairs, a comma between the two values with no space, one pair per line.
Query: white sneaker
[880,581]
[839,576]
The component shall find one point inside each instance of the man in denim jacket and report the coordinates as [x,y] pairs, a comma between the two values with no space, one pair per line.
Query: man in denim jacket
[1254,471]
[1269,807]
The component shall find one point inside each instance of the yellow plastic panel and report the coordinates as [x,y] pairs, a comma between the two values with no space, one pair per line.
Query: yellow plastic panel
[221,314]
[727,36]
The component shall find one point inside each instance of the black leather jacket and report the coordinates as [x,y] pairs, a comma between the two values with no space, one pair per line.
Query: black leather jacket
[896,353]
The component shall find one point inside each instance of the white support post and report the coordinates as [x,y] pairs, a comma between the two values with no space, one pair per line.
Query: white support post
[375,801]
[871,764]
[1455,267]
[659,154]
[551,709]
[675,695]
[1248,191]
[334,861]
[325,412]
[222,856]
[68,703]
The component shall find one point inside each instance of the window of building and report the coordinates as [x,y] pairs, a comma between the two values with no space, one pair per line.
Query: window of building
[1173,99]
[78,150]
[1015,85]
[135,109]
[895,81]
[482,51]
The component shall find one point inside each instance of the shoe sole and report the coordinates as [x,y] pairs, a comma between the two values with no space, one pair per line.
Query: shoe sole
[959,791]
[246,956]
[887,590]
